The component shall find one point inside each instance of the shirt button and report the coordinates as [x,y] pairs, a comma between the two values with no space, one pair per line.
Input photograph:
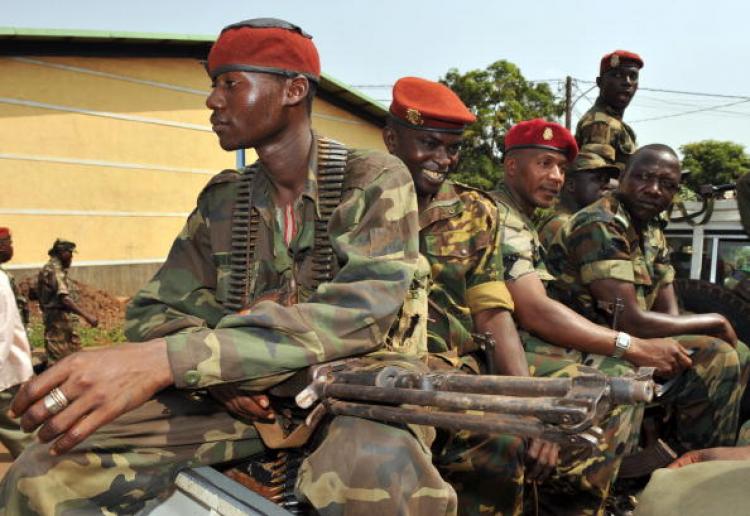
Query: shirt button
[463,252]
[192,377]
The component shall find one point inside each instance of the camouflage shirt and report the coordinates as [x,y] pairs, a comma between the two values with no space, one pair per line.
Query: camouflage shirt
[601,242]
[460,237]
[520,246]
[52,285]
[602,132]
[373,232]
[549,227]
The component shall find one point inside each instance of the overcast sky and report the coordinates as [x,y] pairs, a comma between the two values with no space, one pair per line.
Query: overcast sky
[692,45]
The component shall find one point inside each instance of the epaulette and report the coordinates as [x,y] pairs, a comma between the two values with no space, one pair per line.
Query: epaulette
[228,175]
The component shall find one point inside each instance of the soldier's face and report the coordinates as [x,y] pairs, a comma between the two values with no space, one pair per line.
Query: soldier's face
[589,186]
[536,175]
[246,108]
[649,183]
[66,258]
[6,249]
[429,155]
[618,85]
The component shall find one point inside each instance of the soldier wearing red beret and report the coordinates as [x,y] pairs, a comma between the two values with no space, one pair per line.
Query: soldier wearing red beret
[459,236]
[305,257]
[557,340]
[601,130]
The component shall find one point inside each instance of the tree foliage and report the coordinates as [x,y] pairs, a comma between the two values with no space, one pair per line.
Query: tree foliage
[500,97]
[714,162]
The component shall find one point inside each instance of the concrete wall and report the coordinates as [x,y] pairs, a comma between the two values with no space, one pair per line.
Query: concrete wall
[111,153]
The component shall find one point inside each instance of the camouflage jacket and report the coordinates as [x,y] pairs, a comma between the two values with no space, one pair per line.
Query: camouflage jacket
[601,242]
[602,132]
[52,284]
[549,227]
[520,246]
[374,236]
[459,235]
[21,302]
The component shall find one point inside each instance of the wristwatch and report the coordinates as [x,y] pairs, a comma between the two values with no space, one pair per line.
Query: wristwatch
[622,344]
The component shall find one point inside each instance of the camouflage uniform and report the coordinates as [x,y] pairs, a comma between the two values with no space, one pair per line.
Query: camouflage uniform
[359,466]
[601,242]
[603,132]
[60,337]
[549,227]
[459,236]
[581,484]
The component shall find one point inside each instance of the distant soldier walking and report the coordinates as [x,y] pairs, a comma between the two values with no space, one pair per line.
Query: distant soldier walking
[58,305]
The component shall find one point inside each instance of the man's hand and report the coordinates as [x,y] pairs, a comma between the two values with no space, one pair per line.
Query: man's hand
[666,355]
[252,407]
[99,385]
[708,454]
[541,459]
[93,321]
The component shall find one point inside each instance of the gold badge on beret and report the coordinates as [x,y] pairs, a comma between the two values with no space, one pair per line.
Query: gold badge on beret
[414,117]
[547,135]
[614,61]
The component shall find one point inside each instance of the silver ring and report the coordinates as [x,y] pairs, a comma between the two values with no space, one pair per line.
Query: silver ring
[55,401]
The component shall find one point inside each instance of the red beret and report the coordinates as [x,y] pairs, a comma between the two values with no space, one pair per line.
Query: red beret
[4,233]
[264,45]
[617,58]
[422,104]
[540,134]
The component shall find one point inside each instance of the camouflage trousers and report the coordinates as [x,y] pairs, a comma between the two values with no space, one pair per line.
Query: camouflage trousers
[488,471]
[703,400]
[360,466]
[11,435]
[60,337]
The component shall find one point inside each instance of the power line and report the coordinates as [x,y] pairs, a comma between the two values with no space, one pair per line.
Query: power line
[693,111]
[679,92]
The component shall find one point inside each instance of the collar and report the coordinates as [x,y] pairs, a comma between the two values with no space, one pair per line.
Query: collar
[601,106]
[445,205]
[504,195]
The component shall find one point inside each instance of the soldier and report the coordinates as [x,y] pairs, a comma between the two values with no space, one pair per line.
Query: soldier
[304,257]
[554,337]
[56,300]
[587,179]
[601,130]
[614,252]
[15,353]
[6,254]
[468,298]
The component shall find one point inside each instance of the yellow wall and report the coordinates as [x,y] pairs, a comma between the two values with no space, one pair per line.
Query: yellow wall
[112,163]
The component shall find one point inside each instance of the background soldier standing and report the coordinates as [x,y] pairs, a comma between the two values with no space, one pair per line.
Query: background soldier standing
[601,130]
[56,300]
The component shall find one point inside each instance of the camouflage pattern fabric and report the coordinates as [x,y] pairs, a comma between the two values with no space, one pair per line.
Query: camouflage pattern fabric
[60,336]
[603,132]
[459,235]
[11,435]
[743,439]
[601,242]
[374,230]
[549,227]
[580,484]
[130,464]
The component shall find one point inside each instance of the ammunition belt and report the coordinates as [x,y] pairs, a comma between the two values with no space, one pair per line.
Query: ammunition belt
[332,157]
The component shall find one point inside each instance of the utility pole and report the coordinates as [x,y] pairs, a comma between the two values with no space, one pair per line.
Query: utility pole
[568,101]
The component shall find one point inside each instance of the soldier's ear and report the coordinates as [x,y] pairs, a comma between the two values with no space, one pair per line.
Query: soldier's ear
[390,138]
[599,82]
[296,90]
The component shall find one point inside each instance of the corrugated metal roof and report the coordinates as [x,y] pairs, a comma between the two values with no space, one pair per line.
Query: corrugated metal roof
[27,41]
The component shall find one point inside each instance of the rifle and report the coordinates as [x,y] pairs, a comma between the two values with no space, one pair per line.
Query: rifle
[563,410]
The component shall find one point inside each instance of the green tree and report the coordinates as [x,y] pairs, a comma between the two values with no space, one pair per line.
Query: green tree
[500,97]
[714,162]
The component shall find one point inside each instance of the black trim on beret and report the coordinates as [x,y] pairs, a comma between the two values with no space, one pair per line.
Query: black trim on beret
[404,123]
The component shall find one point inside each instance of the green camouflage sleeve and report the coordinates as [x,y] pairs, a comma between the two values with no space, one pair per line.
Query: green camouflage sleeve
[521,250]
[374,233]
[185,284]
[599,250]
[595,136]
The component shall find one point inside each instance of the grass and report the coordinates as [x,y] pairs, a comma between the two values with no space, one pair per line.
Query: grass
[89,336]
